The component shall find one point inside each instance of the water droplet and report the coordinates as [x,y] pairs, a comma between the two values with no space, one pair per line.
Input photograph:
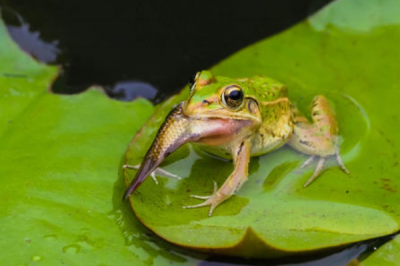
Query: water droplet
[37,258]
[71,249]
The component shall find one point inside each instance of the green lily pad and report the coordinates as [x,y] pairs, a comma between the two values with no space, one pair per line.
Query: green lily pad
[61,199]
[348,52]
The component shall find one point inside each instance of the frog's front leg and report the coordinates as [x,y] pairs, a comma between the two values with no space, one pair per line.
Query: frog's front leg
[319,138]
[241,158]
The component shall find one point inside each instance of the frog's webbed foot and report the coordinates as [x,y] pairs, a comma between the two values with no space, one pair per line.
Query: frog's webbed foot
[159,171]
[320,166]
[241,157]
[319,138]
[213,200]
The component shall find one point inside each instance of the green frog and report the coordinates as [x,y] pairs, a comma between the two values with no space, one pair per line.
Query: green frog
[239,119]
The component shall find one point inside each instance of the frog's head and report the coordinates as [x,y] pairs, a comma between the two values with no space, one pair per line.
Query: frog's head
[219,111]
[221,98]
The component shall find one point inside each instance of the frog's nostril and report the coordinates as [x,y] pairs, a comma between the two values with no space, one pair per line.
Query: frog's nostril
[205,102]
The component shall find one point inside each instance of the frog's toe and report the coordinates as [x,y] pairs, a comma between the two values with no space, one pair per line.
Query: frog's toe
[340,162]
[162,172]
[204,204]
[212,208]
[213,201]
[200,197]
[317,171]
[207,197]
[159,171]
[307,162]
[153,175]
[128,166]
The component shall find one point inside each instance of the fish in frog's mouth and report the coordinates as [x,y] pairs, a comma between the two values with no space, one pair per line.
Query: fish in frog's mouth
[179,129]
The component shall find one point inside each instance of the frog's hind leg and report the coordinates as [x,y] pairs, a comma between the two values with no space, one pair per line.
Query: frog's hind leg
[318,138]
[159,171]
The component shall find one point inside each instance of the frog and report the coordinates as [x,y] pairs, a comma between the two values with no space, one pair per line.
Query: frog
[237,119]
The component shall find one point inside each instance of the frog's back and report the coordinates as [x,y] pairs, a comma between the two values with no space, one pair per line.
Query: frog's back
[276,110]
[265,89]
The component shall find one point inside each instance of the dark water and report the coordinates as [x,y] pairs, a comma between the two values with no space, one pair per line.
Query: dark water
[149,49]
[351,254]
[130,46]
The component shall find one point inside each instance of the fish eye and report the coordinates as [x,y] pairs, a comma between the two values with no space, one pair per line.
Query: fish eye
[232,96]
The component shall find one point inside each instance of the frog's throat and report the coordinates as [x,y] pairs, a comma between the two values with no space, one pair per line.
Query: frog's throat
[179,129]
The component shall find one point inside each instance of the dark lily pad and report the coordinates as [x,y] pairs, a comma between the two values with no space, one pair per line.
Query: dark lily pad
[348,52]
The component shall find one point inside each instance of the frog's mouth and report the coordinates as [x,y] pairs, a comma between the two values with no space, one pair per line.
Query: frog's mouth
[179,129]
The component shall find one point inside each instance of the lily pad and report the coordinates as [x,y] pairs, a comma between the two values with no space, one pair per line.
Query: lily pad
[59,166]
[348,52]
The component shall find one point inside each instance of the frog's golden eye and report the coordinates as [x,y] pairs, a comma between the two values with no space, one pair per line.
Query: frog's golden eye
[232,96]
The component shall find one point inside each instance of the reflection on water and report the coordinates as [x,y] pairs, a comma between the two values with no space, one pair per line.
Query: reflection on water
[30,41]
[131,89]
[350,256]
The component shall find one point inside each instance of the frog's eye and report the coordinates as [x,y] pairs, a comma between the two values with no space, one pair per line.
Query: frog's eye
[232,96]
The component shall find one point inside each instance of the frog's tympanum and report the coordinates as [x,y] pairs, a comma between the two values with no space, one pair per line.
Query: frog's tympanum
[238,119]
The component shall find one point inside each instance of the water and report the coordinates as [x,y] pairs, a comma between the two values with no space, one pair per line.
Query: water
[155,42]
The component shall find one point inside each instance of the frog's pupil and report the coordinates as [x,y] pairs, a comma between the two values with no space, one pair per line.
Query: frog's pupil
[232,96]
[235,95]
